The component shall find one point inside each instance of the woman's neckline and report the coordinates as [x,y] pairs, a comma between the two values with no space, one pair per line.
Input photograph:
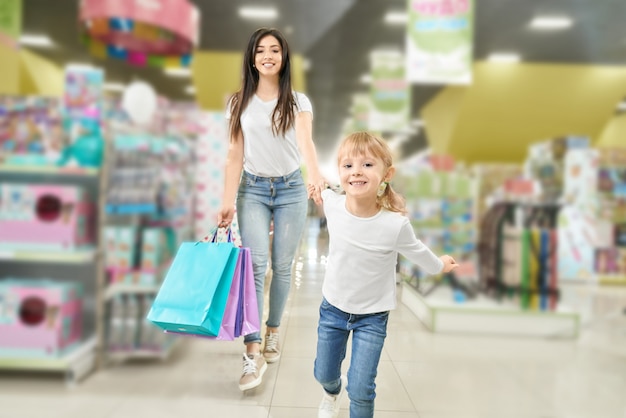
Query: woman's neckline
[263,100]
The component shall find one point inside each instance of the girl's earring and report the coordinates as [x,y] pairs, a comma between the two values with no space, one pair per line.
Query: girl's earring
[381,189]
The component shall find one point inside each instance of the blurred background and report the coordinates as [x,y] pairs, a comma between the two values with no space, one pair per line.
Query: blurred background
[506,119]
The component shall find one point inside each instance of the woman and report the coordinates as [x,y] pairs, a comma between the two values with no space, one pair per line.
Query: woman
[270,128]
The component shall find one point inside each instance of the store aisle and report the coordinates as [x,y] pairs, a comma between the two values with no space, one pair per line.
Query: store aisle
[421,375]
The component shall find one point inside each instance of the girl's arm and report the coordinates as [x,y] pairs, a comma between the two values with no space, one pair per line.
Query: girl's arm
[304,136]
[232,176]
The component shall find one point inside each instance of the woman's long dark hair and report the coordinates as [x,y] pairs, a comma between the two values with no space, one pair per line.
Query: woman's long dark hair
[283,116]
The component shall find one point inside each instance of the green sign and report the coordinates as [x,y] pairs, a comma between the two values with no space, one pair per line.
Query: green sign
[439,41]
[10,19]
[390,92]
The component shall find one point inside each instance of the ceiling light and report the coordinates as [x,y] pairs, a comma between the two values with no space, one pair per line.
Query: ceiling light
[178,72]
[306,64]
[191,90]
[114,86]
[42,41]
[551,23]
[504,57]
[366,79]
[81,66]
[396,18]
[253,12]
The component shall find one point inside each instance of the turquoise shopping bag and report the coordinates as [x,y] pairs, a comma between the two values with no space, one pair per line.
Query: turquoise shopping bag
[193,296]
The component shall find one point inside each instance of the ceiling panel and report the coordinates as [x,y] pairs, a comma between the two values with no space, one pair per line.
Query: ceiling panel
[336,37]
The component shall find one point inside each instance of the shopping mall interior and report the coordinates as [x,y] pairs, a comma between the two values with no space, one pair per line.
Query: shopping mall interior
[507,124]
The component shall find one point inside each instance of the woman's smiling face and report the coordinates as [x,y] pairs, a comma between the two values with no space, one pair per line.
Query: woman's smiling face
[268,56]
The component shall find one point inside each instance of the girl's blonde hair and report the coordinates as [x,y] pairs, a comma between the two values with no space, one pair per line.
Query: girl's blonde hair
[364,143]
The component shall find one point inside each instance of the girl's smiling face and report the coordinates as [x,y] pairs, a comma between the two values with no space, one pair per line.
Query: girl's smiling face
[360,175]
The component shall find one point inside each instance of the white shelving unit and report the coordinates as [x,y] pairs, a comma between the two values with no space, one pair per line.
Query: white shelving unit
[441,314]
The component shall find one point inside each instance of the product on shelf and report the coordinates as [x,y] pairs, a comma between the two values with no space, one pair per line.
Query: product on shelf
[39,318]
[45,216]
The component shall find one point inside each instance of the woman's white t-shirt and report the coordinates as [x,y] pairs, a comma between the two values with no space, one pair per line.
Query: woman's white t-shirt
[265,154]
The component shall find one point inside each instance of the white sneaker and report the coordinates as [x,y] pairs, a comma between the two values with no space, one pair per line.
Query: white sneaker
[329,407]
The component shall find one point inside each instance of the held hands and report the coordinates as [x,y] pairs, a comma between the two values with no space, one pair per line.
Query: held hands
[448,263]
[314,189]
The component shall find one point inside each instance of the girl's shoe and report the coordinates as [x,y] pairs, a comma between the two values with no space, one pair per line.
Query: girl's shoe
[329,407]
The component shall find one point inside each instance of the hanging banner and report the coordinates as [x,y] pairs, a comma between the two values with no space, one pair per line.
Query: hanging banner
[390,92]
[439,41]
[10,22]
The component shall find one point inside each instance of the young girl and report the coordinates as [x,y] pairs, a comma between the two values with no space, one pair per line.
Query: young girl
[270,131]
[367,228]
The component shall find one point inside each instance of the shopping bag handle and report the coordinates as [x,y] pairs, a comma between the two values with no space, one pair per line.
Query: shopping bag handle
[213,235]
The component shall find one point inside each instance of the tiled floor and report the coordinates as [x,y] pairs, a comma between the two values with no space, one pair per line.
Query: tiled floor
[421,374]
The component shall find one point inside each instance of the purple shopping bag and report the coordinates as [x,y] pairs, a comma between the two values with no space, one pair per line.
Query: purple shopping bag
[229,322]
[249,308]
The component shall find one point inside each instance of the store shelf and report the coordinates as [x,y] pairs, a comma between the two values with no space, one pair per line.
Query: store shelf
[46,256]
[125,289]
[441,314]
[76,364]
[50,170]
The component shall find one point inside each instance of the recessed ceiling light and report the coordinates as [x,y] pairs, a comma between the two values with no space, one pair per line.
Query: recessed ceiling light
[504,57]
[178,72]
[255,12]
[81,66]
[114,86]
[42,41]
[396,18]
[555,22]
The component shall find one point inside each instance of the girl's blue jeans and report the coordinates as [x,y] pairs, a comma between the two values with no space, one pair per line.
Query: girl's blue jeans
[368,336]
[259,201]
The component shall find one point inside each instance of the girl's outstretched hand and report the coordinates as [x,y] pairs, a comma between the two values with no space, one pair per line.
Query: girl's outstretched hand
[448,263]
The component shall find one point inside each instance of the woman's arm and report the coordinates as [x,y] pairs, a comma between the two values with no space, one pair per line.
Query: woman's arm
[232,176]
[304,136]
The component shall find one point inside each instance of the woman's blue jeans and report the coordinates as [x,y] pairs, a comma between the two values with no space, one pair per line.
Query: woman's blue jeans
[259,201]
[368,337]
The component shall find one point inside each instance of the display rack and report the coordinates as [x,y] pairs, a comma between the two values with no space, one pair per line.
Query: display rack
[147,213]
[485,316]
[83,265]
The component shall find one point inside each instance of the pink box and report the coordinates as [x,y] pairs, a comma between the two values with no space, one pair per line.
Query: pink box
[45,216]
[39,318]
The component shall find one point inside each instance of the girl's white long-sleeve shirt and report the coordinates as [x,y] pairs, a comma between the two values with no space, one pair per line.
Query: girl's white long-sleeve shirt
[360,273]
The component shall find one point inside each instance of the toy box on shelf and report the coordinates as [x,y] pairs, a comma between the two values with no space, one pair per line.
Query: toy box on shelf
[39,318]
[31,131]
[592,226]
[45,216]
[440,201]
